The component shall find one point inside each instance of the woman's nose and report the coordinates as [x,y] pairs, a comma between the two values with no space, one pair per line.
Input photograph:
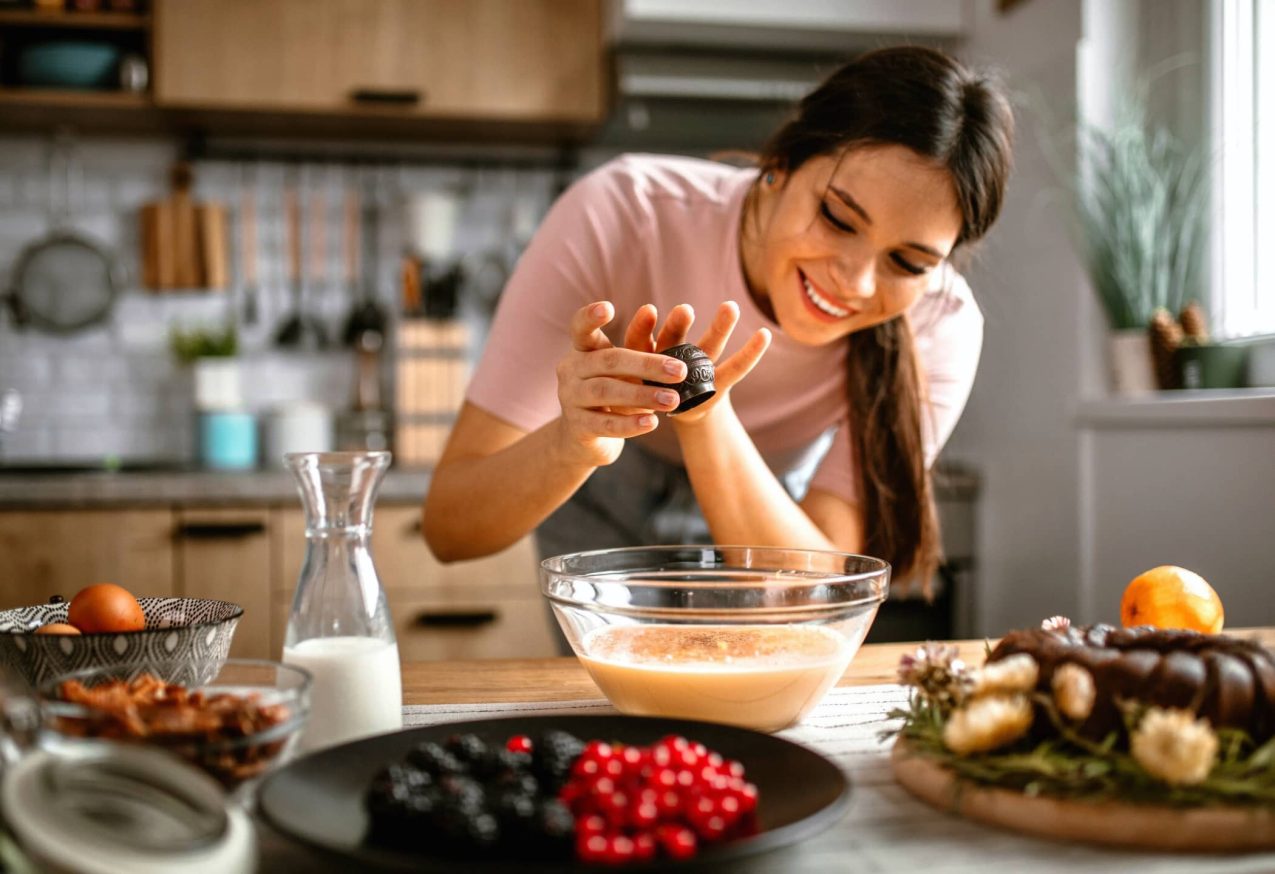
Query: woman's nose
[855,279]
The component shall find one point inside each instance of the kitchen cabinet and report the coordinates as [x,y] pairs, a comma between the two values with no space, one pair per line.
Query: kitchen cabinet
[251,555]
[226,554]
[514,60]
[48,552]
[486,608]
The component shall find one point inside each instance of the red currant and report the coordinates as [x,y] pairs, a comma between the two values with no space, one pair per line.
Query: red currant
[519,743]
[678,842]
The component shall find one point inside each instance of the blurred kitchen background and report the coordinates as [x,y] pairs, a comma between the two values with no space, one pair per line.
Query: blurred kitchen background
[229,228]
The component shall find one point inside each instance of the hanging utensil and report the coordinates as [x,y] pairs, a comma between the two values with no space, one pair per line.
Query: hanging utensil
[366,314]
[300,329]
[65,281]
[248,252]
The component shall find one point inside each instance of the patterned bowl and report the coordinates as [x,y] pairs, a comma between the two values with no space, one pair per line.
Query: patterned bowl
[186,640]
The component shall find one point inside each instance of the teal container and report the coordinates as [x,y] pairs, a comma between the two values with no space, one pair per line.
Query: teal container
[1213,365]
[228,440]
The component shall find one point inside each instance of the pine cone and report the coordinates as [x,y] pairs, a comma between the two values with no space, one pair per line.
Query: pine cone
[1166,336]
[1194,323]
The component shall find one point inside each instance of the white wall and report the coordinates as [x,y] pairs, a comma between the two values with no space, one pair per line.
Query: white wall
[1196,494]
[1080,493]
[1018,429]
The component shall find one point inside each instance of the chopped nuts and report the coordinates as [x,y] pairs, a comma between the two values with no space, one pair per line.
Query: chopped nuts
[213,731]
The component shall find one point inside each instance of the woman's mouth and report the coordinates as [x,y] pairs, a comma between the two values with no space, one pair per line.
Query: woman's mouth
[821,303]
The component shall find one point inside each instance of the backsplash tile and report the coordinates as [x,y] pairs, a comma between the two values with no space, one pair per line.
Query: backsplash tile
[114,390]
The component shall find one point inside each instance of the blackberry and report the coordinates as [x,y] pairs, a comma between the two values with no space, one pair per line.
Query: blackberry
[553,755]
[434,760]
[498,761]
[467,830]
[401,778]
[482,831]
[516,813]
[465,793]
[556,827]
[399,819]
[517,781]
[469,748]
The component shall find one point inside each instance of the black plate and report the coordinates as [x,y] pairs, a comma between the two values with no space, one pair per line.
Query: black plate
[319,799]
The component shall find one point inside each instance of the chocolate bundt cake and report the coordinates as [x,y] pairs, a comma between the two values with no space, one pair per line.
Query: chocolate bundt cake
[1229,681]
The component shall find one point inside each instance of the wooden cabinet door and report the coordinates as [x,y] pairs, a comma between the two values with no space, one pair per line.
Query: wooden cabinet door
[487,608]
[225,554]
[527,59]
[59,552]
[499,59]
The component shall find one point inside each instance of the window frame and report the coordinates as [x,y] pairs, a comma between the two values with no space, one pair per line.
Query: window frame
[1242,123]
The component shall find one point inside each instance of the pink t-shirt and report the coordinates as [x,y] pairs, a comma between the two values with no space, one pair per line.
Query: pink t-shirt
[664,230]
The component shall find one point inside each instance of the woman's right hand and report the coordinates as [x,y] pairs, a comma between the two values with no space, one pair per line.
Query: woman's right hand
[600,388]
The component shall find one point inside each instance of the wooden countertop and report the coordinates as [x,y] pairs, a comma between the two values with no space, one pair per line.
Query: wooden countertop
[564,679]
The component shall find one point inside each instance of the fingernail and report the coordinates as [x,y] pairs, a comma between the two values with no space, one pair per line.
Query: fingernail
[673,367]
[599,310]
[647,421]
[666,397]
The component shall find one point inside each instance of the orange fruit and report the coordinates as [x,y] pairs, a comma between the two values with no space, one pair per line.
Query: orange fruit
[1171,597]
[57,628]
[105,607]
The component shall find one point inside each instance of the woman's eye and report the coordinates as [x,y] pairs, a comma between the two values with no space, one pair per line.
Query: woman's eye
[907,266]
[837,223]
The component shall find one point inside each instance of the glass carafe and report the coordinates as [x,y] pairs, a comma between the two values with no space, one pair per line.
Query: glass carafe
[340,628]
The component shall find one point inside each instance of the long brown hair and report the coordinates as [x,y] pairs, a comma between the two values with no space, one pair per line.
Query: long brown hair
[928,102]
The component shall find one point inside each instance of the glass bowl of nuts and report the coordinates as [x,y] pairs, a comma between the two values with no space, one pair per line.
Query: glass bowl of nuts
[237,726]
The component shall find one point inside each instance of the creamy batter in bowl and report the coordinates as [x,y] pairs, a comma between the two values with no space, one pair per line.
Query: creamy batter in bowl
[750,636]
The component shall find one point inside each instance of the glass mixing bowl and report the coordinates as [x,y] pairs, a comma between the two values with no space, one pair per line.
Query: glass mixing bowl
[743,635]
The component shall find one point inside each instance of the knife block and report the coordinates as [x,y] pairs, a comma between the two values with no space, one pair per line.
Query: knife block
[431,373]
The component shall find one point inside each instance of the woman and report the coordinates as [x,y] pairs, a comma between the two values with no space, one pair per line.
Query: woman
[824,279]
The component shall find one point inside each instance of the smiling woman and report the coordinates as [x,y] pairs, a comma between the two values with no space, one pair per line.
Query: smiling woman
[810,274]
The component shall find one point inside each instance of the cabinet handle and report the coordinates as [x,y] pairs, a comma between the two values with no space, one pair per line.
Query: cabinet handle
[219,530]
[456,618]
[387,96]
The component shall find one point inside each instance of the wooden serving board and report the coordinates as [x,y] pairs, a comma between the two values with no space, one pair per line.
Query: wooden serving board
[1145,826]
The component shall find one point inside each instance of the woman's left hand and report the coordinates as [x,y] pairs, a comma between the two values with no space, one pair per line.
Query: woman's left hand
[641,335]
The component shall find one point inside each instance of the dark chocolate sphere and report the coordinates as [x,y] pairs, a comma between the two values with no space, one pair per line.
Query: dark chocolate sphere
[698,385]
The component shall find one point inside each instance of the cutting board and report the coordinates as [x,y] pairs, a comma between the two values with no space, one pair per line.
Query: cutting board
[183,242]
[1142,826]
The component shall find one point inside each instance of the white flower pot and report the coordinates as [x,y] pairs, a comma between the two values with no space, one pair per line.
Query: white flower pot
[1129,359]
[218,384]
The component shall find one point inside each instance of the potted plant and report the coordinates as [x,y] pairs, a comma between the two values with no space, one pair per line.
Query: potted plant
[227,432]
[1141,201]
[211,353]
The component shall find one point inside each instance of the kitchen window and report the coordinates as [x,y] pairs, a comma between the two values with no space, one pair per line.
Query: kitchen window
[1243,123]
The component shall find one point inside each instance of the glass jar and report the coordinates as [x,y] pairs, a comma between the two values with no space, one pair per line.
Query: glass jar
[340,627]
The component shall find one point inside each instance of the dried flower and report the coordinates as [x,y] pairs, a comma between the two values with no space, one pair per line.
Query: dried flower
[936,672]
[1017,673]
[1057,624]
[1173,746]
[987,723]
[1074,691]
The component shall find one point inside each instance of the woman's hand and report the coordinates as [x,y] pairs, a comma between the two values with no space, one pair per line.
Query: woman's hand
[677,326]
[604,401]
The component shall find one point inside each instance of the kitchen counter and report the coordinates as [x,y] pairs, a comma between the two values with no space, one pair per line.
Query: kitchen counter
[73,489]
[950,844]
[31,488]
